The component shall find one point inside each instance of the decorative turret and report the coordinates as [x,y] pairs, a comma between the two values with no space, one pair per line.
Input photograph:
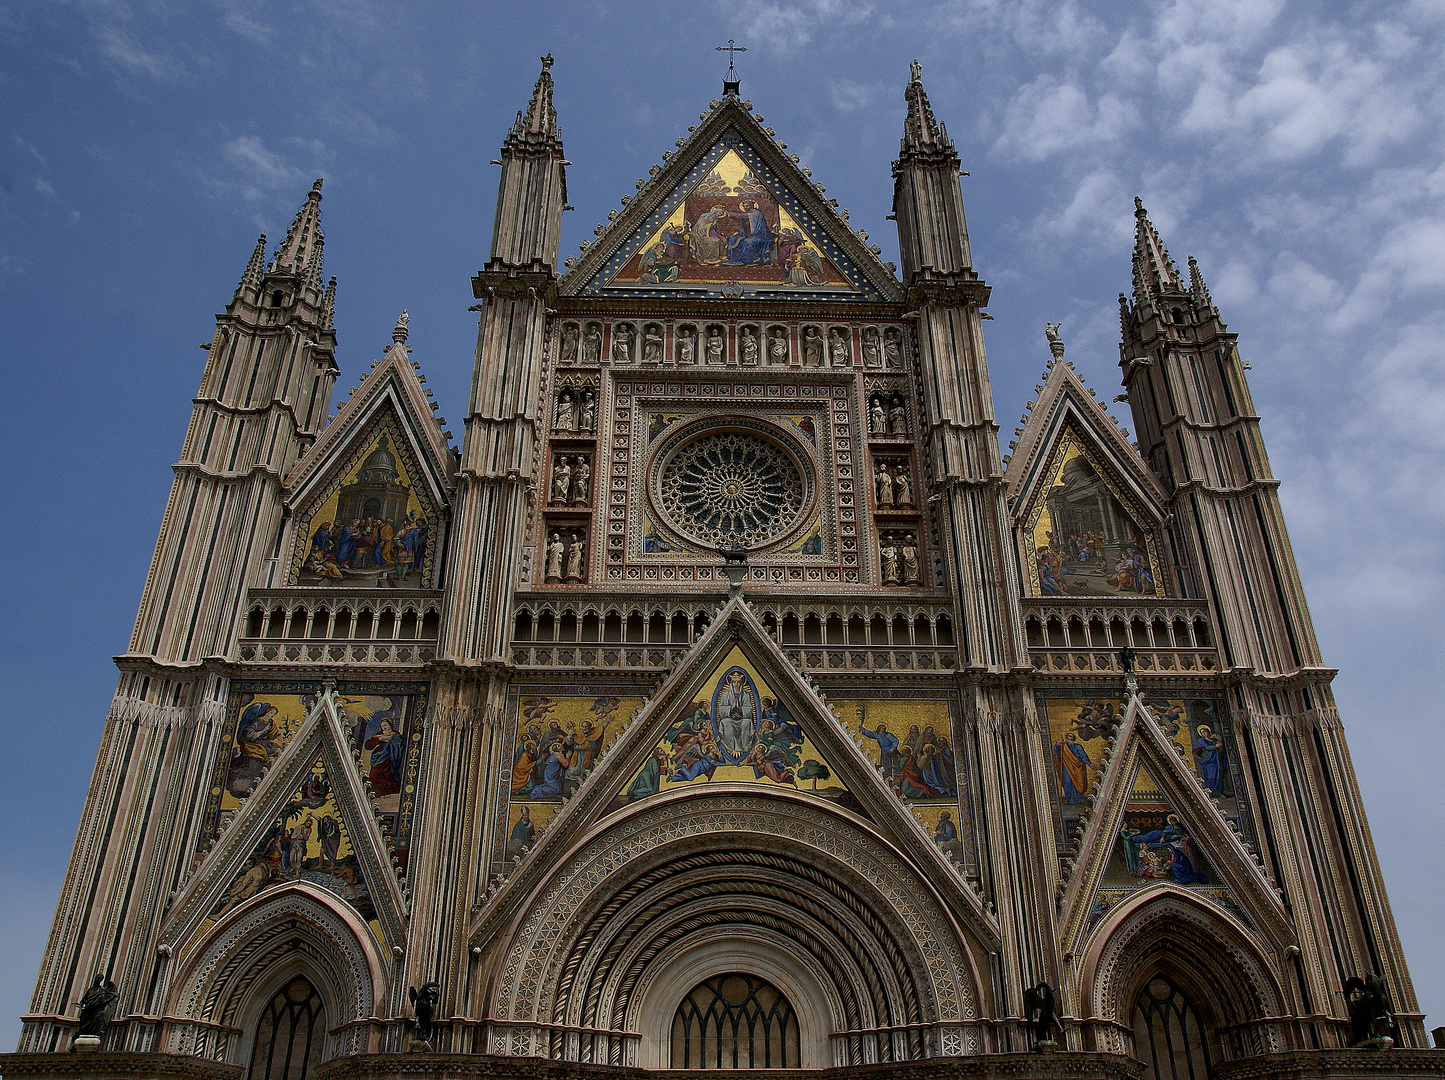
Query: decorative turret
[1154,272]
[1197,288]
[921,133]
[300,252]
[533,189]
[251,279]
[927,202]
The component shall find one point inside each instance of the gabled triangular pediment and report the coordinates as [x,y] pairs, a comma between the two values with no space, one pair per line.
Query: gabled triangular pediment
[309,817]
[1148,819]
[730,214]
[1088,512]
[369,501]
[709,725]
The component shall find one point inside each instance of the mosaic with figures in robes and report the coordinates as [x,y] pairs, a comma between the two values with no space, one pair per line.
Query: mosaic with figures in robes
[1154,841]
[1085,542]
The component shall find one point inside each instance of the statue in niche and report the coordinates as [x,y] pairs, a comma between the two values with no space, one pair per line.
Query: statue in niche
[574,558]
[903,488]
[908,557]
[588,412]
[897,417]
[890,562]
[581,481]
[884,487]
[652,346]
[813,347]
[778,346]
[569,344]
[871,356]
[838,349]
[892,348]
[686,347]
[561,480]
[592,344]
[555,550]
[565,417]
[748,345]
[715,346]
[877,417]
[621,344]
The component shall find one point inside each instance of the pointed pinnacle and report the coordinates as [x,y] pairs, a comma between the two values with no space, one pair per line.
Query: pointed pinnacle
[295,253]
[541,117]
[1196,284]
[251,279]
[921,132]
[1154,271]
[328,305]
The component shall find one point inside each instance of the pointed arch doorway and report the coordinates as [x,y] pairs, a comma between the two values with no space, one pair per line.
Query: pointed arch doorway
[735,1021]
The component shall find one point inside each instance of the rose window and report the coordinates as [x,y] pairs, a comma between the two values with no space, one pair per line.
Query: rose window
[731,489]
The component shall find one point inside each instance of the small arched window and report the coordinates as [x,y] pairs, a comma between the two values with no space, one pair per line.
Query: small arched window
[1168,1035]
[290,1034]
[735,1022]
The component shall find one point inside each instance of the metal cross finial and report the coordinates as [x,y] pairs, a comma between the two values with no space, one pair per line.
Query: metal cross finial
[730,48]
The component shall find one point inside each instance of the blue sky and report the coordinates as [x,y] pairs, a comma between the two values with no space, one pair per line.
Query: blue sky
[1295,149]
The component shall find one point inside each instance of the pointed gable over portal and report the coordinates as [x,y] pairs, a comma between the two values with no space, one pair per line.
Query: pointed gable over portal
[1088,513]
[730,215]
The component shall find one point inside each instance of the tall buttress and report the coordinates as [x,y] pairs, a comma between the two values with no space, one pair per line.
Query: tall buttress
[493,486]
[947,298]
[1198,429]
[264,394]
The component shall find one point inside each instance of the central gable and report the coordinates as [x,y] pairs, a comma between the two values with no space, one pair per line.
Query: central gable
[728,226]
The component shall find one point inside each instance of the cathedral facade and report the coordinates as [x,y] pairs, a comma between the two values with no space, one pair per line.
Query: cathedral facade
[726,699]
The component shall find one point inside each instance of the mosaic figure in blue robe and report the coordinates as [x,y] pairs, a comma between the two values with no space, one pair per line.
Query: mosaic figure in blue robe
[753,243]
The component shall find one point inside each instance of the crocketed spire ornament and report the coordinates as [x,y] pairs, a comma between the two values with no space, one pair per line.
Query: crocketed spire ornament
[1154,271]
[300,252]
[251,279]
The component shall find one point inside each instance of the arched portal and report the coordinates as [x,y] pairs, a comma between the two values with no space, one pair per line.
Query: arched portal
[716,882]
[273,943]
[1169,1035]
[290,1033]
[1170,967]
[734,1021]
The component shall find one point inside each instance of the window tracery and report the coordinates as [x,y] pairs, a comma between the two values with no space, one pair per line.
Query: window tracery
[732,489]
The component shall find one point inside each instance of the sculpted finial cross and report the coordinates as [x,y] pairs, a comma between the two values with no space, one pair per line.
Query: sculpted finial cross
[730,48]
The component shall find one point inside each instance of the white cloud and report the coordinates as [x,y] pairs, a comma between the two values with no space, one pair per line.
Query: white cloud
[257,170]
[45,187]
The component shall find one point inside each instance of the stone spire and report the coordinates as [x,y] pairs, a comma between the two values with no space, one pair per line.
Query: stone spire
[540,120]
[300,252]
[528,226]
[1197,286]
[927,201]
[328,305]
[921,133]
[1154,271]
[251,279]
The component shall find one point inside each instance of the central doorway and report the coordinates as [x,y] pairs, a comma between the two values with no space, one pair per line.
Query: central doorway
[735,1021]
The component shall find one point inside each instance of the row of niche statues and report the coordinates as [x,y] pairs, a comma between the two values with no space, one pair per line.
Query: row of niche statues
[893,486]
[887,418]
[755,345]
[575,413]
[899,556]
[571,480]
[565,555]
